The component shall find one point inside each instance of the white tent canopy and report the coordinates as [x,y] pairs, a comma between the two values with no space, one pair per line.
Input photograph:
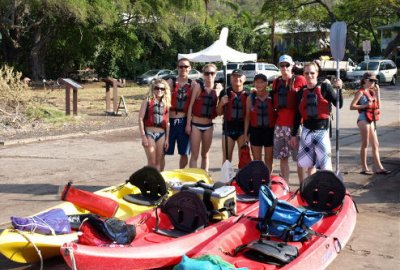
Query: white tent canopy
[219,52]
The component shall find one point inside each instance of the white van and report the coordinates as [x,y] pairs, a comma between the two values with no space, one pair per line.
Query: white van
[231,66]
[385,70]
[269,70]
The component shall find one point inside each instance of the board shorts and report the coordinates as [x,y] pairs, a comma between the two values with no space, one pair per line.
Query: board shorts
[177,134]
[315,149]
[282,148]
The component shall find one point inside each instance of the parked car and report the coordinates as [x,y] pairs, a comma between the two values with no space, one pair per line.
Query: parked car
[149,76]
[229,68]
[385,70]
[194,74]
[269,70]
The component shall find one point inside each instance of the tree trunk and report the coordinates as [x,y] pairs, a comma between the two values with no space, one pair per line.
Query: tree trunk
[273,56]
[35,56]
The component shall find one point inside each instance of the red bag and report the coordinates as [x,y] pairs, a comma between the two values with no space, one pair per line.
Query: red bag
[94,203]
[244,155]
[91,236]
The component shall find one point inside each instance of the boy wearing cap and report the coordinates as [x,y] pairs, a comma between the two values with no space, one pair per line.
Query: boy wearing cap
[283,94]
[260,121]
[232,105]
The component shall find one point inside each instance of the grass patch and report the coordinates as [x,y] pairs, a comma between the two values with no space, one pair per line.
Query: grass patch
[47,114]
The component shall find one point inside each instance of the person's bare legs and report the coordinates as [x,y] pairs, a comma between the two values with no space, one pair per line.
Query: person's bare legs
[373,139]
[364,132]
[159,152]
[231,146]
[183,161]
[205,147]
[284,166]
[150,151]
[268,158]
[195,140]
[300,174]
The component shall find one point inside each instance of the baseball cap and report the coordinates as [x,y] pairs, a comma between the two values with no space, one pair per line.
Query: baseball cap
[286,58]
[261,76]
[237,72]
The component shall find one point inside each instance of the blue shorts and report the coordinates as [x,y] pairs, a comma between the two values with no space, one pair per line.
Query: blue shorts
[177,133]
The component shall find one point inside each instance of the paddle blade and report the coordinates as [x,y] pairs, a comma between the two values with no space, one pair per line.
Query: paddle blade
[227,172]
[338,40]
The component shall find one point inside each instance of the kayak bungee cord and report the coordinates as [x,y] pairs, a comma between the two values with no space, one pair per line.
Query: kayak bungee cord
[39,253]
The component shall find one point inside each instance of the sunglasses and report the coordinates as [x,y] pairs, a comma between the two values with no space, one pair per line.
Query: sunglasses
[184,66]
[208,73]
[286,65]
[309,73]
[372,80]
[156,88]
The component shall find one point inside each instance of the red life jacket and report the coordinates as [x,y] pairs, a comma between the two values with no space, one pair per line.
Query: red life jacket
[372,113]
[284,96]
[236,106]
[180,96]
[205,104]
[313,105]
[156,114]
[262,113]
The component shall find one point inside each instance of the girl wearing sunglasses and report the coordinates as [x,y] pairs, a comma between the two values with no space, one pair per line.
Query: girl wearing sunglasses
[153,122]
[201,112]
[367,102]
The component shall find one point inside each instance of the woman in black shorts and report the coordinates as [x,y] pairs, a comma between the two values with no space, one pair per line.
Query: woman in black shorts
[260,121]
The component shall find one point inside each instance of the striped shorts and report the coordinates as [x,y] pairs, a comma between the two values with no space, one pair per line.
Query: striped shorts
[315,149]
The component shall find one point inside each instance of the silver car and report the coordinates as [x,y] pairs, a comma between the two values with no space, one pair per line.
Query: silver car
[385,71]
[149,76]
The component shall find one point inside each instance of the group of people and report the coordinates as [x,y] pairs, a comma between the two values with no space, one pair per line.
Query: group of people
[292,119]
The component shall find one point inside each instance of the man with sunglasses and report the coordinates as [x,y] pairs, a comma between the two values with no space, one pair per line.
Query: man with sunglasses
[181,92]
[283,94]
[314,106]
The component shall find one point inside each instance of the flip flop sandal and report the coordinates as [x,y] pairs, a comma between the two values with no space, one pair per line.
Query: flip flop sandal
[384,172]
[366,173]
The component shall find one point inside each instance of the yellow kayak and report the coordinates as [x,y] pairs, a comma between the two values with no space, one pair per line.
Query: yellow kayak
[27,247]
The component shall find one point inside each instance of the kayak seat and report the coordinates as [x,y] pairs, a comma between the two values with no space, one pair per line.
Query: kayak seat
[323,191]
[250,178]
[187,213]
[151,184]
[271,252]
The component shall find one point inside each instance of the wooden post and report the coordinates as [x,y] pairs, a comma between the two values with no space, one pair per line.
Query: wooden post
[67,100]
[68,85]
[115,96]
[75,101]
[108,99]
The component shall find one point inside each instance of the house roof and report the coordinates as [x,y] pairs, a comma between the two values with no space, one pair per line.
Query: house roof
[293,26]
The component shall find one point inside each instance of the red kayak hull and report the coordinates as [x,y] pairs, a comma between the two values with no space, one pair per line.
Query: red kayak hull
[317,253]
[152,250]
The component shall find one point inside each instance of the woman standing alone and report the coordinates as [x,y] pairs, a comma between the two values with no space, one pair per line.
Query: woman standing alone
[367,102]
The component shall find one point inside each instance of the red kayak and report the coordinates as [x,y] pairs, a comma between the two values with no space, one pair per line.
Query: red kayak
[316,253]
[152,249]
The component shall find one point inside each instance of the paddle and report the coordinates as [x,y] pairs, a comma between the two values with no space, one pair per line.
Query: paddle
[227,172]
[338,46]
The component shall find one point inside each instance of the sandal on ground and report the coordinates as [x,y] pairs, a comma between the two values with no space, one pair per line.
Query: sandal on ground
[384,172]
[366,173]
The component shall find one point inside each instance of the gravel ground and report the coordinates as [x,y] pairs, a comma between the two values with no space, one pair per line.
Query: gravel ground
[84,124]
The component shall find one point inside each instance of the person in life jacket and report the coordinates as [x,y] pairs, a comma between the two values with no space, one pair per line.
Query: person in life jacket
[284,89]
[181,92]
[367,102]
[260,121]
[153,122]
[201,112]
[232,105]
[314,103]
